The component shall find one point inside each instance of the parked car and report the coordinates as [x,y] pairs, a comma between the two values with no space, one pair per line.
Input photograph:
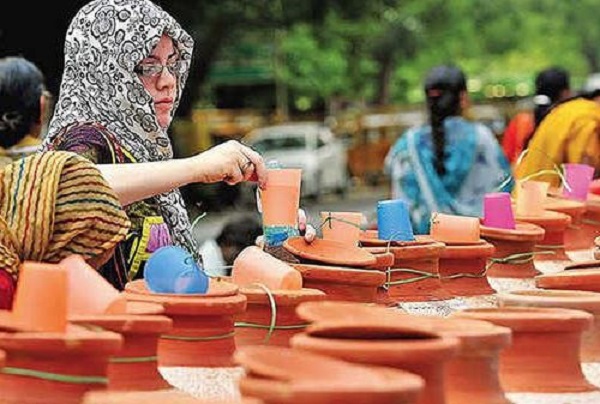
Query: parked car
[310,146]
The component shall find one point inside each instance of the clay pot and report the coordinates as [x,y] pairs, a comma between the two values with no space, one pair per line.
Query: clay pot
[134,367]
[414,277]
[283,375]
[342,283]
[203,325]
[544,354]
[568,299]
[55,368]
[257,326]
[575,209]
[513,256]
[553,245]
[170,397]
[463,268]
[572,279]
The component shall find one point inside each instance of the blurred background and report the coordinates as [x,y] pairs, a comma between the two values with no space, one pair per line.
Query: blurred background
[341,78]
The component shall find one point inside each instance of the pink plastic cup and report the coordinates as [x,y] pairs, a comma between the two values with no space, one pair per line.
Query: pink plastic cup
[497,211]
[578,177]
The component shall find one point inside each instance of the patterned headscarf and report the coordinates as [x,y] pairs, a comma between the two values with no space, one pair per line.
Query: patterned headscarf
[105,41]
[55,204]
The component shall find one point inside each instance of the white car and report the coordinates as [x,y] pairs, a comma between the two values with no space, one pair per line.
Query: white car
[310,146]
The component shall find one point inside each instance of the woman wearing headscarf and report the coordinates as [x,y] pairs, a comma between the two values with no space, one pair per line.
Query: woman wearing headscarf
[52,205]
[448,165]
[126,63]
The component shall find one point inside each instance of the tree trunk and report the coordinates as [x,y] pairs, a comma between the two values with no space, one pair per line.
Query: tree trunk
[384,77]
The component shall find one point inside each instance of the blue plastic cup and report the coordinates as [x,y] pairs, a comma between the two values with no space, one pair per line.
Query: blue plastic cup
[393,221]
[172,269]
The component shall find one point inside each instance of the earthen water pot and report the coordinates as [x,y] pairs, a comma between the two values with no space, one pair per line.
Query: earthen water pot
[284,375]
[414,276]
[55,368]
[272,322]
[166,397]
[463,268]
[568,299]
[554,224]
[203,325]
[514,250]
[545,350]
[574,238]
[343,283]
[571,279]
[134,367]
[329,252]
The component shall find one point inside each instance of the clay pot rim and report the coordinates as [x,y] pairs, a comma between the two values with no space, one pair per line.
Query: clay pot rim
[425,251]
[196,306]
[369,238]
[257,295]
[133,397]
[523,231]
[479,250]
[549,216]
[404,332]
[367,277]
[329,310]
[568,299]
[571,279]
[592,264]
[217,288]
[126,323]
[471,331]
[300,248]
[563,204]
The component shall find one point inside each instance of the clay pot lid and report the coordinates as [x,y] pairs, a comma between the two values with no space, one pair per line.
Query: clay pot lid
[369,238]
[523,231]
[530,319]
[568,299]
[565,205]
[549,219]
[335,274]
[578,279]
[429,248]
[126,323]
[257,295]
[75,339]
[476,250]
[222,298]
[329,252]
[167,396]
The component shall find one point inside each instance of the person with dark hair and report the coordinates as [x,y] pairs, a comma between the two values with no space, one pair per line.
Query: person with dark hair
[552,85]
[22,106]
[449,164]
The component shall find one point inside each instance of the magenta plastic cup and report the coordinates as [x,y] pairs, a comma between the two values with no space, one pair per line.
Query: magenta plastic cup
[497,211]
[578,177]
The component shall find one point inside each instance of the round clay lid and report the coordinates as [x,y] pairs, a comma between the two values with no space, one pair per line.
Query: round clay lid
[335,274]
[530,319]
[329,252]
[472,250]
[568,299]
[126,323]
[549,219]
[578,279]
[369,238]
[523,231]
[257,295]
[423,248]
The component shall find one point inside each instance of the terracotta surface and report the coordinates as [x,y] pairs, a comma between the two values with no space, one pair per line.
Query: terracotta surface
[545,349]
[329,252]
[134,367]
[283,375]
[165,397]
[572,279]
[414,277]
[33,360]
[463,271]
[513,256]
[253,326]
[574,239]
[555,225]
[567,299]
[203,325]
[342,283]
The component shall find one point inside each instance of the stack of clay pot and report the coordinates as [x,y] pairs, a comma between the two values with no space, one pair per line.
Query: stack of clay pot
[273,290]
[544,356]
[278,375]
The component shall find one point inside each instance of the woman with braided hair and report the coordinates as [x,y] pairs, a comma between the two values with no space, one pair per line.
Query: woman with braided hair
[449,164]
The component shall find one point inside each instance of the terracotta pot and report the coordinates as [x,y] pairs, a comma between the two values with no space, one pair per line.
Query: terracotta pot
[572,279]
[329,252]
[513,256]
[55,368]
[575,209]
[203,325]
[463,268]
[257,326]
[553,245]
[567,299]
[544,354]
[283,375]
[342,283]
[170,397]
[414,277]
[134,367]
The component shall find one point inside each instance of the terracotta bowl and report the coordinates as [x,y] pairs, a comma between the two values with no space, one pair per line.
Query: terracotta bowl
[554,224]
[567,299]
[463,268]
[513,256]
[203,325]
[544,354]
[254,326]
[55,368]
[572,279]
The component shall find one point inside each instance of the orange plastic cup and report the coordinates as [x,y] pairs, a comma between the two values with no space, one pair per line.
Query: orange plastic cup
[455,229]
[530,197]
[40,302]
[253,266]
[281,199]
[342,226]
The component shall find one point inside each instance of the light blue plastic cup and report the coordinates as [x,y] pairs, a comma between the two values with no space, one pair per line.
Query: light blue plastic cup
[393,221]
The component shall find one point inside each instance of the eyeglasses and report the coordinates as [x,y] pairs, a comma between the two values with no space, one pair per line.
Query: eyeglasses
[155,69]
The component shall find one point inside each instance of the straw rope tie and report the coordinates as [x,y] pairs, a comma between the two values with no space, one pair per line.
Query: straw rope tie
[134,359]
[54,377]
[550,247]
[422,276]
